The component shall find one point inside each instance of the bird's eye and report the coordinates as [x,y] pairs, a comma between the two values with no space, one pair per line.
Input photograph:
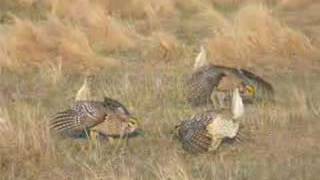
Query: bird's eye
[132,124]
[250,90]
[121,110]
[176,130]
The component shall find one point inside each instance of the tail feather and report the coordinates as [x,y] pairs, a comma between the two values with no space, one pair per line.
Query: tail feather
[63,114]
[64,121]
[200,146]
[199,143]
[63,117]
[61,124]
[202,139]
[193,147]
[201,59]
[67,128]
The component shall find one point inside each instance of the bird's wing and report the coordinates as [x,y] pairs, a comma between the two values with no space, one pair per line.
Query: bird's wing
[251,78]
[201,84]
[116,105]
[80,117]
[264,90]
[199,141]
[194,135]
[207,74]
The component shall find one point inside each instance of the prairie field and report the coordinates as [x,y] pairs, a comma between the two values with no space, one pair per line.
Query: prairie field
[141,51]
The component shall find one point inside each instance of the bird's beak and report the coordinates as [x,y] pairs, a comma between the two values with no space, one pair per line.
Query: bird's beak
[133,118]
[172,132]
[139,132]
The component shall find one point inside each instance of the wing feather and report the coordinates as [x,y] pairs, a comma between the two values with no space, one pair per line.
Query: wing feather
[194,135]
[79,118]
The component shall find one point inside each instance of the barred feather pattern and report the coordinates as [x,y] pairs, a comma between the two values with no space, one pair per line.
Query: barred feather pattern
[80,117]
[264,90]
[194,135]
[201,84]
[205,132]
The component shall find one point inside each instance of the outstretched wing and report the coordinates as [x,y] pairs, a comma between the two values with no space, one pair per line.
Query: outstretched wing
[264,90]
[82,116]
[201,84]
[194,135]
[198,142]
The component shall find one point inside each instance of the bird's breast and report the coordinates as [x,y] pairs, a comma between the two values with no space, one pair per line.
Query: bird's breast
[222,127]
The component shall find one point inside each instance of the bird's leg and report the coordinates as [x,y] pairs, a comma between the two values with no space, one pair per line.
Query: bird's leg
[89,144]
[220,96]
[94,139]
[110,140]
[94,135]
[216,141]
[125,147]
[221,99]
[125,142]
[216,100]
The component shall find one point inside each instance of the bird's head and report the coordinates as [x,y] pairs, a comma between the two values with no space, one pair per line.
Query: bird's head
[84,93]
[117,126]
[133,127]
[176,131]
[247,92]
[128,125]
[247,89]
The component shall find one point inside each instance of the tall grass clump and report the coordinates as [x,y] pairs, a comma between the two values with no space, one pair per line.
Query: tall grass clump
[103,31]
[141,52]
[31,44]
[254,31]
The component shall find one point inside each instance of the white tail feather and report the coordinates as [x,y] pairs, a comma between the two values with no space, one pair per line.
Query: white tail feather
[201,59]
[237,104]
[84,93]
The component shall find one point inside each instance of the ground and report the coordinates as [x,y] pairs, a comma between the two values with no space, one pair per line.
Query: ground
[141,51]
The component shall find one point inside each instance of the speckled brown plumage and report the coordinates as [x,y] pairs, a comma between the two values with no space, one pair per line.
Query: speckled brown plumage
[263,89]
[193,134]
[205,131]
[204,81]
[201,84]
[108,117]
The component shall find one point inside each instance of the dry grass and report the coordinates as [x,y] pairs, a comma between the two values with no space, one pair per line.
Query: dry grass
[283,136]
[46,48]
[253,32]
